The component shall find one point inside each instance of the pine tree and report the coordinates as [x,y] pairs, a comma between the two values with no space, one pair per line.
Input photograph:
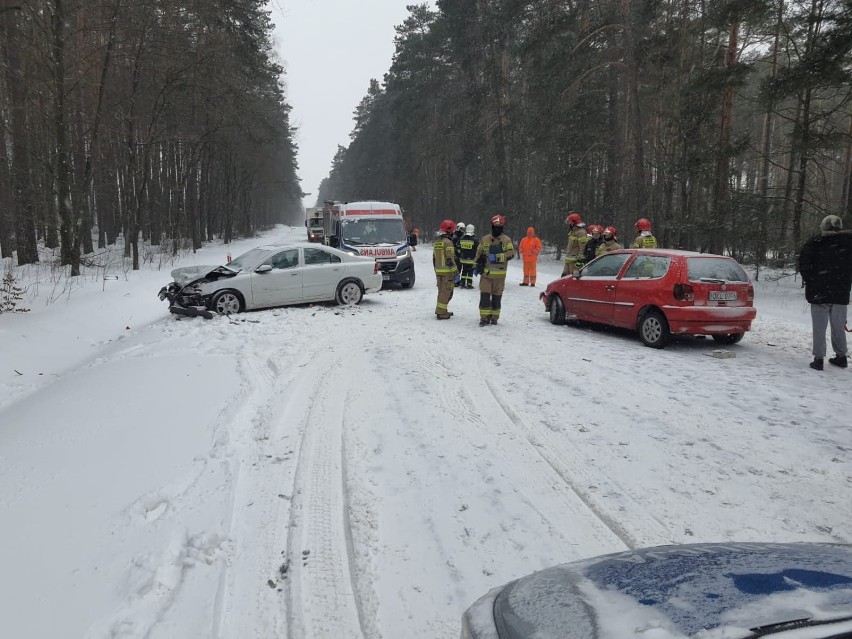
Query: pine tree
[11,295]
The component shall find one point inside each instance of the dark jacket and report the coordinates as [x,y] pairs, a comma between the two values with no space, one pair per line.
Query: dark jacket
[466,249]
[591,248]
[825,263]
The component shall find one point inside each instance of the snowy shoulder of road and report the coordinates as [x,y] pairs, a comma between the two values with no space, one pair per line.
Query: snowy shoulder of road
[326,471]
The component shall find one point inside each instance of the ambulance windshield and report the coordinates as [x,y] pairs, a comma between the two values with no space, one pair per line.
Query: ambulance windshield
[373,231]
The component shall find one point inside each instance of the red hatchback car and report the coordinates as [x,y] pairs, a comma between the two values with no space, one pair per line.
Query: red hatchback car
[658,292]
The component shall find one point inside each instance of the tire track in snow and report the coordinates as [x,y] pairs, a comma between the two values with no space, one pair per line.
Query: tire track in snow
[464,411]
[323,600]
[551,452]
[265,431]
[261,395]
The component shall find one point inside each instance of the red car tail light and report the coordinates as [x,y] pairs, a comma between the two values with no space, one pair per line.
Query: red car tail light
[684,293]
[375,267]
[750,293]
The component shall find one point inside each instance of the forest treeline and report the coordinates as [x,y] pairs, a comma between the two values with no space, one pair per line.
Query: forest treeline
[728,123]
[156,120]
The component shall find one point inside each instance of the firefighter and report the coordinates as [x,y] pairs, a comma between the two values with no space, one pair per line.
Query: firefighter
[494,252]
[466,253]
[529,249]
[577,239]
[595,240]
[457,236]
[610,241]
[458,232]
[644,238]
[444,262]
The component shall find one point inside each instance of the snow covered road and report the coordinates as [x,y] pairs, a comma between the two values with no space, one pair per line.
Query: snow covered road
[369,472]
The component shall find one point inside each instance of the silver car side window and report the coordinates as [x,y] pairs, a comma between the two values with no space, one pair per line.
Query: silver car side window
[318,256]
[285,259]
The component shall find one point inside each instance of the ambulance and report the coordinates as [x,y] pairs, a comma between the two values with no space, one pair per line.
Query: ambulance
[374,229]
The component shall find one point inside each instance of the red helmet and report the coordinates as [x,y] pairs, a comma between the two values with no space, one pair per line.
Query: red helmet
[498,220]
[448,226]
[595,228]
[610,230]
[643,224]
[573,218]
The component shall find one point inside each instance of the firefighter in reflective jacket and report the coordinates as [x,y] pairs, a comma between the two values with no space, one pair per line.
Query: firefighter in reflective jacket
[444,262]
[529,249]
[466,252]
[494,252]
[577,238]
[610,241]
[644,238]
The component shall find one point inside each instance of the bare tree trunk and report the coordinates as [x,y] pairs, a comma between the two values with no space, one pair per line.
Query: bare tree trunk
[92,147]
[615,168]
[763,180]
[22,194]
[499,61]
[637,202]
[766,150]
[846,198]
[788,183]
[721,203]
[69,221]
[6,204]
[804,156]
[803,135]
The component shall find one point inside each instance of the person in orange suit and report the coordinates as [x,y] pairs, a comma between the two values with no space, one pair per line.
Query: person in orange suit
[529,249]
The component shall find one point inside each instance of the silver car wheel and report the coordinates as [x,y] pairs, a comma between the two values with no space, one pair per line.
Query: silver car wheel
[654,330]
[227,303]
[349,293]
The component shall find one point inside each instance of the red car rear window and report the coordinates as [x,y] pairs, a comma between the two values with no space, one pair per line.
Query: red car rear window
[715,268]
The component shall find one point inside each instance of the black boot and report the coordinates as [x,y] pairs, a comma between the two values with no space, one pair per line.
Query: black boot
[840,361]
[816,364]
[484,321]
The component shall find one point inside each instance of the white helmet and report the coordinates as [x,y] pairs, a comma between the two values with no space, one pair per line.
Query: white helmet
[470,230]
[460,226]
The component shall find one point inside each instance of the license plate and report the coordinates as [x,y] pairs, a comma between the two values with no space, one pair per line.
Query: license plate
[385,277]
[723,295]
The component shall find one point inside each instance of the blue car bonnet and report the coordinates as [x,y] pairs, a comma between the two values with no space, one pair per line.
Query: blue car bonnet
[678,591]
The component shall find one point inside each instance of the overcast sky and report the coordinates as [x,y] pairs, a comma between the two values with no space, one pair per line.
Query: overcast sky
[330,50]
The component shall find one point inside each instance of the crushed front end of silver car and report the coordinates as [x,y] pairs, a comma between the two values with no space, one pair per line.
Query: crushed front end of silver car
[187,294]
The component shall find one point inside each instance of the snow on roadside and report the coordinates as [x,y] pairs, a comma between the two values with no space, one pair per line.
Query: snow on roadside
[370,471]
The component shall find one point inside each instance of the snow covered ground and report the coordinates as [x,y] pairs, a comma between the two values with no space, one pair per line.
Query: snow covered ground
[369,472]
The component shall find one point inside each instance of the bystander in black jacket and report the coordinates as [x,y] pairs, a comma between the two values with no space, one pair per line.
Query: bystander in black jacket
[825,263]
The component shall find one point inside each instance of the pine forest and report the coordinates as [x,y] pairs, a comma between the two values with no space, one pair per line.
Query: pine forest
[727,123]
[157,120]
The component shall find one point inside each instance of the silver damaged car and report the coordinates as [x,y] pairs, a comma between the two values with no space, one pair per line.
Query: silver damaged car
[272,275]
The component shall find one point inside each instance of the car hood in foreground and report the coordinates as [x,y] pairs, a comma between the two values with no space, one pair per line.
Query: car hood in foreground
[188,274]
[712,591]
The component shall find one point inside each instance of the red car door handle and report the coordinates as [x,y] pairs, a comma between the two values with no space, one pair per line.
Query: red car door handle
[610,288]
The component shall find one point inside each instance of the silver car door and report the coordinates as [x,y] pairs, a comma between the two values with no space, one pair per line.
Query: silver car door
[321,274]
[282,285]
